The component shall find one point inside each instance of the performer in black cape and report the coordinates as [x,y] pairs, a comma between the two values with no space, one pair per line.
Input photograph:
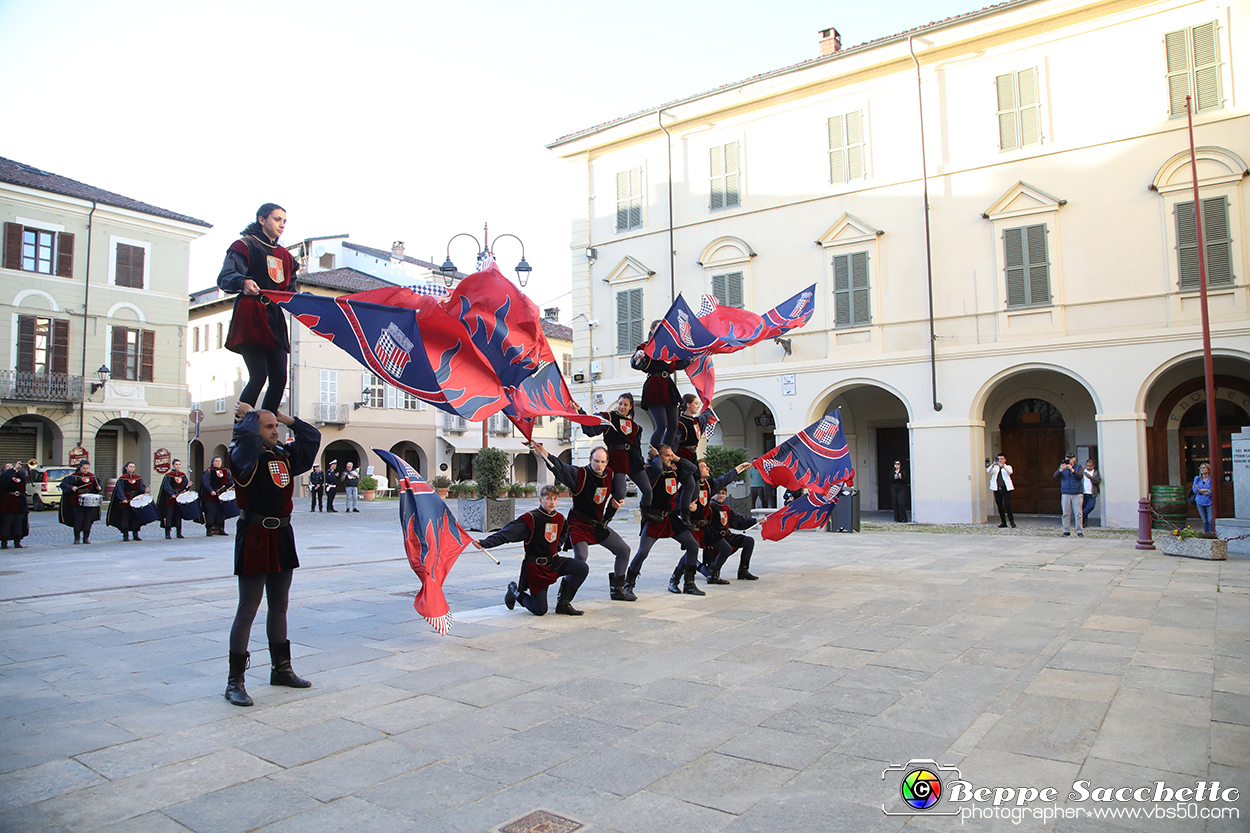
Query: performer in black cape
[216,480]
[120,516]
[659,393]
[664,517]
[73,486]
[14,513]
[623,438]
[175,483]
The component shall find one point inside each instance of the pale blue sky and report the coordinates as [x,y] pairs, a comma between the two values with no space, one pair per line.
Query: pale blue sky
[385,120]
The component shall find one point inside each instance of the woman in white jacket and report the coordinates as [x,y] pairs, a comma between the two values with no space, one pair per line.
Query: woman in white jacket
[1002,487]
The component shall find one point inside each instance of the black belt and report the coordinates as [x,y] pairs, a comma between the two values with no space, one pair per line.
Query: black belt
[663,374]
[262,520]
[542,560]
[618,447]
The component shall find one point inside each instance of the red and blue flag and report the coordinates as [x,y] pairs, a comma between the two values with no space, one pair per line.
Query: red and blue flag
[809,511]
[433,540]
[816,458]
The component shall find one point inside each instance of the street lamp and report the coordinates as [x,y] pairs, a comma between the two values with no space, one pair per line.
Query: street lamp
[104,373]
[486,249]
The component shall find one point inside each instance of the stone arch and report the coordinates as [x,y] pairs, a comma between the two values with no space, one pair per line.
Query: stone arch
[21,299]
[49,439]
[724,251]
[876,420]
[1216,165]
[414,455]
[976,411]
[1220,356]
[123,305]
[131,441]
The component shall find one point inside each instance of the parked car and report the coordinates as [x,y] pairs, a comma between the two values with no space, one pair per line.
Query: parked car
[44,488]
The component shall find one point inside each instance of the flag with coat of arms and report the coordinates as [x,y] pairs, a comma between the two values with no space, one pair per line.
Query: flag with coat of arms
[815,461]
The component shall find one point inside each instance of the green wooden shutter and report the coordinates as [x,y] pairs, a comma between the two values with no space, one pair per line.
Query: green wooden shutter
[622,201]
[1039,265]
[861,307]
[837,151]
[1176,44]
[1030,112]
[841,290]
[716,160]
[733,194]
[854,146]
[1013,259]
[1206,54]
[1216,233]
[1007,127]
[635,198]
[733,290]
[623,344]
[635,311]
[720,290]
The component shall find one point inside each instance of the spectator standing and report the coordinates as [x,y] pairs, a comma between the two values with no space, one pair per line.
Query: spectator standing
[332,484]
[898,492]
[1002,487]
[1071,494]
[1202,497]
[351,485]
[317,488]
[1090,481]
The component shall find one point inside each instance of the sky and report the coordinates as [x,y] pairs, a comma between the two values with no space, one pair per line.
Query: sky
[387,121]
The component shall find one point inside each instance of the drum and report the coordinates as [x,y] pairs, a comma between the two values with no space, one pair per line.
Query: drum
[189,506]
[89,501]
[144,509]
[229,509]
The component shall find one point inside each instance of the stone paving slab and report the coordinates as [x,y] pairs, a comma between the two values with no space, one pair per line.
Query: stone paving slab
[1026,659]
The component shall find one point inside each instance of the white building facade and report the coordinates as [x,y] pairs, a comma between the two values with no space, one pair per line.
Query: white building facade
[1060,311]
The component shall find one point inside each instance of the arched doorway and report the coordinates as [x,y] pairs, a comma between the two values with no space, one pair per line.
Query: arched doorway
[32,437]
[120,441]
[342,451]
[746,422]
[197,463]
[874,421]
[410,453]
[1031,436]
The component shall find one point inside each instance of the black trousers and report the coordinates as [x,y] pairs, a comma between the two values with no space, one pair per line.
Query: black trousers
[83,519]
[330,490]
[1002,498]
[264,364]
[318,494]
[574,572]
[898,497]
[726,545]
[173,518]
[689,557]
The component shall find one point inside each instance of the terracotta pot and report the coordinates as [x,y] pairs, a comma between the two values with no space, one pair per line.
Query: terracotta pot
[368,495]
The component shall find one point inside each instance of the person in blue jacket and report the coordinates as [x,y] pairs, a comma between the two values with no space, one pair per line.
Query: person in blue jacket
[1072,494]
[1202,497]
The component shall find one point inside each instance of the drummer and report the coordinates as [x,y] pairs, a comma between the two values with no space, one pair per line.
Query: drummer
[75,511]
[215,481]
[174,484]
[120,515]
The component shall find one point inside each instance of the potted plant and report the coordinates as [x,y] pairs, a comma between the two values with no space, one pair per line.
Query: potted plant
[368,486]
[442,485]
[516,490]
[1186,543]
[488,512]
[531,489]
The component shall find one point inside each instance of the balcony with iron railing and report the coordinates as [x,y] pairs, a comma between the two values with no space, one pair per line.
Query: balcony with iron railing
[24,386]
[332,413]
[564,431]
[453,424]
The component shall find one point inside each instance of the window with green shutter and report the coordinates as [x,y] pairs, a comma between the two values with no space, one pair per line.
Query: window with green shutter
[628,320]
[1193,57]
[846,147]
[852,304]
[726,174]
[1019,110]
[1027,264]
[727,289]
[629,199]
[1218,239]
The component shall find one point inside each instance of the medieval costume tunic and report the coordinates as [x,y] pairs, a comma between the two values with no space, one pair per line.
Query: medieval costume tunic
[590,496]
[720,541]
[659,394]
[665,518]
[543,534]
[174,484]
[215,481]
[255,322]
[690,430]
[623,438]
[14,517]
[264,484]
[119,515]
[333,479]
[72,513]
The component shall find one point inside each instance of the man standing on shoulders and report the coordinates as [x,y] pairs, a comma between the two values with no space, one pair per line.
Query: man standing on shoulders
[1002,487]
[174,484]
[317,488]
[351,482]
[1090,481]
[1071,494]
[265,559]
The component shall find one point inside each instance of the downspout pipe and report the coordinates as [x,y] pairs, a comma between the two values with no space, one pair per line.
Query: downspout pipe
[928,237]
[86,297]
[672,251]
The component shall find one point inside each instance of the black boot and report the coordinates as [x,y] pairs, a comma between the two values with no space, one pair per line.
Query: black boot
[631,576]
[167,535]
[673,586]
[509,598]
[75,538]
[1012,518]
[235,692]
[745,575]
[692,589]
[137,538]
[715,578]
[616,585]
[564,602]
[125,536]
[281,673]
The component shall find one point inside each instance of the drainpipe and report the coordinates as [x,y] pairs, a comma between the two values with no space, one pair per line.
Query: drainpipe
[672,251]
[928,238]
[86,296]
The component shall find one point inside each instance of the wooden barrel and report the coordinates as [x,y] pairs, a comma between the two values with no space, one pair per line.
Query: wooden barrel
[1172,503]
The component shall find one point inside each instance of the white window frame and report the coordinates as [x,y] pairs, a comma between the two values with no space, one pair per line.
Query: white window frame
[623,346]
[220,405]
[852,256]
[739,173]
[847,236]
[1194,75]
[329,388]
[147,262]
[632,195]
[844,148]
[1023,112]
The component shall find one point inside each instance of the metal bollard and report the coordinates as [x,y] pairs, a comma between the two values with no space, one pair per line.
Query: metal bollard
[1144,540]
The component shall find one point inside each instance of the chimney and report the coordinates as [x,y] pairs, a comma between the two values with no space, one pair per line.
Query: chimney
[830,42]
[551,313]
[397,248]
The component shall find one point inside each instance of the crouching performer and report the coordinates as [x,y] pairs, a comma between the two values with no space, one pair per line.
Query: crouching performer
[664,518]
[720,541]
[701,516]
[591,487]
[265,559]
[543,531]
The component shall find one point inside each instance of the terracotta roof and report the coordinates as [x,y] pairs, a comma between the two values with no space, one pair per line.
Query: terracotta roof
[553,330]
[16,173]
[346,279]
[382,254]
[937,24]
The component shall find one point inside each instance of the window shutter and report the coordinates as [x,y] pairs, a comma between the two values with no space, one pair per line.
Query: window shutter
[719,289]
[65,255]
[195,339]
[391,393]
[1219,243]
[1177,46]
[26,343]
[1013,256]
[12,246]
[837,151]
[622,201]
[219,336]
[733,286]
[635,198]
[1006,111]
[1206,68]
[716,160]
[129,270]
[623,343]
[147,355]
[1187,245]
[861,312]
[1039,265]
[60,346]
[854,146]
[117,361]
[1030,126]
[841,290]
[732,170]
[635,311]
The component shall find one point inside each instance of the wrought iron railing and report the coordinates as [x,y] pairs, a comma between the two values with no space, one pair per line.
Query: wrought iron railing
[564,431]
[40,387]
[455,424]
[331,413]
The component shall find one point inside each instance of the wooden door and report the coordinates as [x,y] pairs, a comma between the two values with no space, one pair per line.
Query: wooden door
[1034,454]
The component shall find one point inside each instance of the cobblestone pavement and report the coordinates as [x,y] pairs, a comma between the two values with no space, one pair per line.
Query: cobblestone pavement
[1027,661]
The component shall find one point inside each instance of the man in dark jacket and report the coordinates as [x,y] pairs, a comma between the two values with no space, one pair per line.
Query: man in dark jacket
[332,485]
[174,484]
[317,488]
[1071,493]
[720,541]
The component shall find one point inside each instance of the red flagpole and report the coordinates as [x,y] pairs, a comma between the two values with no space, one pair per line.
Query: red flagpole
[1214,452]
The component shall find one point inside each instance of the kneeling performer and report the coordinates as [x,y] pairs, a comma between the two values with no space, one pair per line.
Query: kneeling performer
[720,541]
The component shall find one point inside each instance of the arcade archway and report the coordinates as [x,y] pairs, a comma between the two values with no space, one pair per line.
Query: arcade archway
[874,420]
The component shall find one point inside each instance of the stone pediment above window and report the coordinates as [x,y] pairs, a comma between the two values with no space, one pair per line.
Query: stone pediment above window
[725,251]
[1216,166]
[628,270]
[1022,200]
[847,230]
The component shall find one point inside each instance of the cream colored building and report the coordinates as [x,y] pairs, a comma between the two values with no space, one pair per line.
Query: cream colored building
[355,411]
[1060,311]
[91,280]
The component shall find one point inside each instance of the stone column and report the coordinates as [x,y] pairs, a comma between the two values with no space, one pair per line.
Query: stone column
[1122,464]
[945,456]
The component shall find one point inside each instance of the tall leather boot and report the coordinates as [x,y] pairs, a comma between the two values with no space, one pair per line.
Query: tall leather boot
[744,574]
[673,586]
[617,588]
[690,588]
[631,576]
[715,578]
[281,673]
[564,602]
[235,692]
